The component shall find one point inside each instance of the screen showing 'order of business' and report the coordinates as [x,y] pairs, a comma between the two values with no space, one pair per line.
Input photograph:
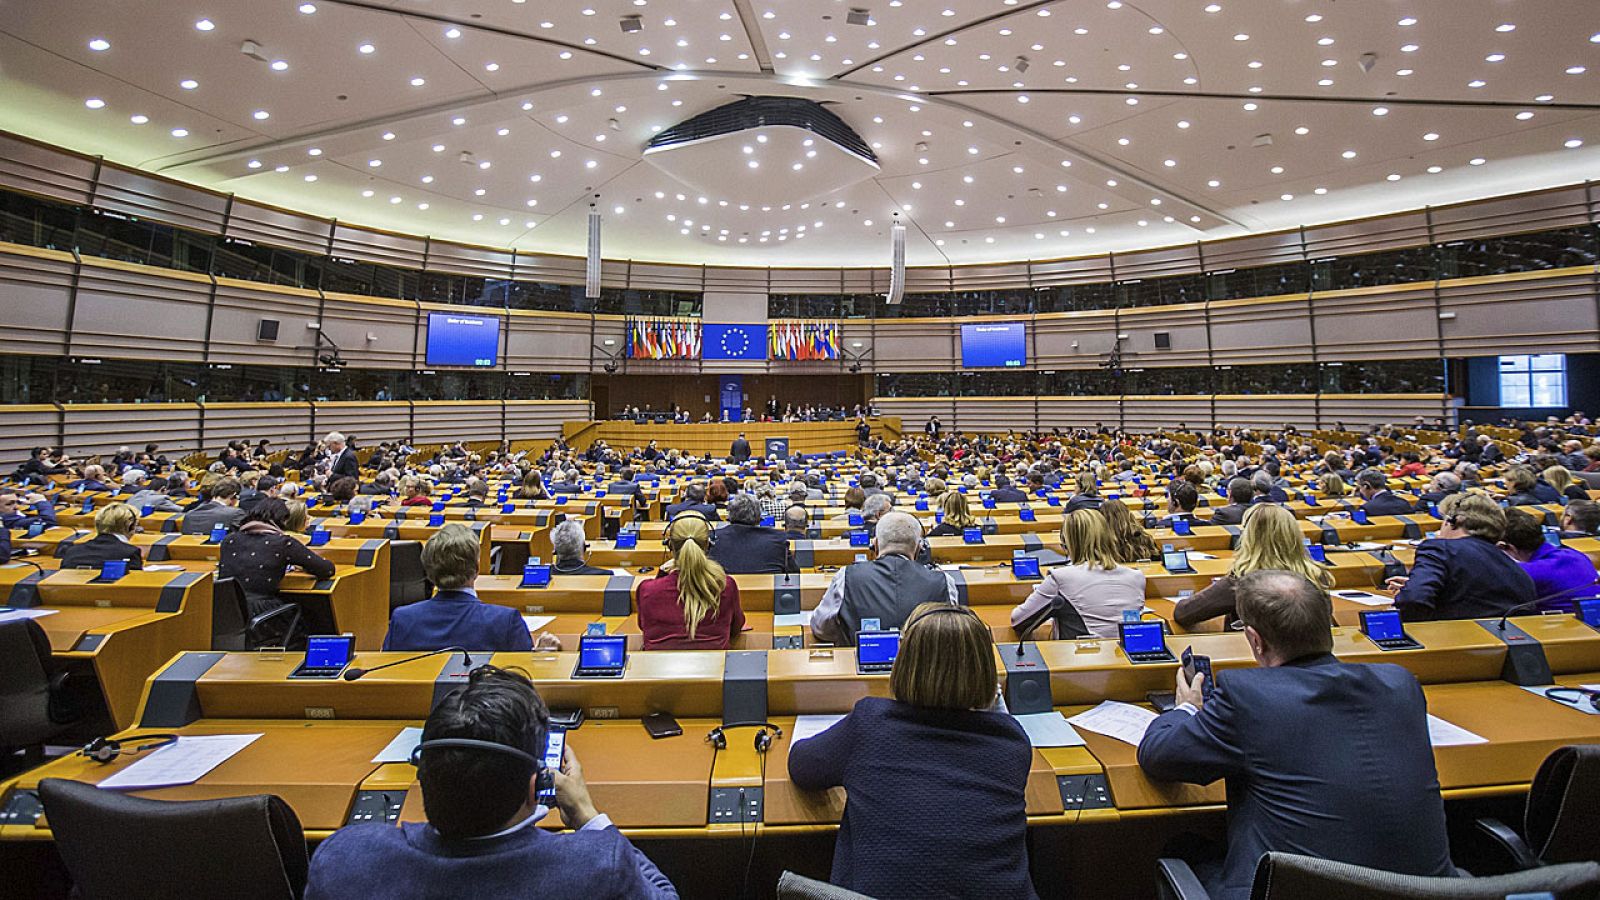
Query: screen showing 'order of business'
[994,345]
[457,340]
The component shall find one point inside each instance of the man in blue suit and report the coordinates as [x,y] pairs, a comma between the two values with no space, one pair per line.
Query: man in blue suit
[1463,574]
[1373,486]
[743,547]
[1322,758]
[454,616]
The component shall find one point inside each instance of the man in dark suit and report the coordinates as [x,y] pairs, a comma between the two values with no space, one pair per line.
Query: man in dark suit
[1463,573]
[1087,496]
[1240,493]
[740,451]
[1373,486]
[1004,493]
[1322,758]
[1182,498]
[796,523]
[694,498]
[113,525]
[744,547]
[222,509]
[454,616]
[344,459]
[1440,486]
[932,428]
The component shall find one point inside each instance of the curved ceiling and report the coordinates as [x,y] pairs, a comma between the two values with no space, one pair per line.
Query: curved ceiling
[1005,129]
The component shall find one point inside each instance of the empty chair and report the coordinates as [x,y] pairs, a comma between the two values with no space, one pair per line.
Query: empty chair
[130,848]
[232,626]
[1289,876]
[1563,812]
[31,689]
[407,581]
[799,887]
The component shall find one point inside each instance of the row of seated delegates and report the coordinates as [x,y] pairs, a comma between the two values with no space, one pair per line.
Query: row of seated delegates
[1463,573]
[22,510]
[1323,799]
[1561,575]
[480,767]
[259,554]
[1553,485]
[1270,541]
[887,587]
[1095,583]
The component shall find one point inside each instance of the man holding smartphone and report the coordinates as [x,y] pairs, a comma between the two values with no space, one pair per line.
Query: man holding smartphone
[483,805]
[1322,758]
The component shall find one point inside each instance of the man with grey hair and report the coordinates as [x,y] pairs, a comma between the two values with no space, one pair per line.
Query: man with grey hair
[797,523]
[454,616]
[570,545]
[1441,486]
[875,508]
[343,459]
[743,547]
[886,588]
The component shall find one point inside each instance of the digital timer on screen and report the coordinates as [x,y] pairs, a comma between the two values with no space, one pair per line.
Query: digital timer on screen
[457,340]
[994,345]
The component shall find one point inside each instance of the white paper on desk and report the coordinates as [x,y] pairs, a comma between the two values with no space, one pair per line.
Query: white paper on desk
[1582,704]
[163,567]
[185,762]
[1196,554]
[1364,598]
[399,749]
[621,571]
[13,614]
[535,623]
[801,619]
[1445,734]
[811,726]
[1122,721]
[1049,729]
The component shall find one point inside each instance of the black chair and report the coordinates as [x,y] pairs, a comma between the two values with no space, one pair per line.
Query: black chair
[408,583]
[1562,815]
[234,628]
[1289,876]
[130,848]
[799,887]
[32,689]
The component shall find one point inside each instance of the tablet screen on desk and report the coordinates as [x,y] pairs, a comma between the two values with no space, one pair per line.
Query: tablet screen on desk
[1025,567]
[1142,637]
[877,648]
[627,540]
[1382,625]
[1589,611]
[1175,560]
[602,652]
[329,651]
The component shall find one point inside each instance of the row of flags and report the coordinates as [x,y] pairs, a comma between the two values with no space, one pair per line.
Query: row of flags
[662,339]
[803,339]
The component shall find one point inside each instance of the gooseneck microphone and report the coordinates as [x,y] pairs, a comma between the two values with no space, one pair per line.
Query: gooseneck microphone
[1031,624]
[355,672]
[1556,596]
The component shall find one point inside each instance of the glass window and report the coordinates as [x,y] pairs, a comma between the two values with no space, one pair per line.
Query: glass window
[34,222]
[1534,381]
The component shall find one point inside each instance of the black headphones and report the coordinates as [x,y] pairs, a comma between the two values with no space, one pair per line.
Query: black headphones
[546,780]
[104,750]
[767,733]
[711,532]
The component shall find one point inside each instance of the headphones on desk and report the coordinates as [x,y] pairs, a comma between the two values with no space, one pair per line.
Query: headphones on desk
[104,750]
[767,733]
[546,779]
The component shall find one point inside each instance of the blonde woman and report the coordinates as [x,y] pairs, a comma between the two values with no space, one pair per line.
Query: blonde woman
[297,516]
[1094,583]
[957,516]
[1271,540]
[1129,542]
[114,525]
[1559,478]
[1332,486]
[692,604]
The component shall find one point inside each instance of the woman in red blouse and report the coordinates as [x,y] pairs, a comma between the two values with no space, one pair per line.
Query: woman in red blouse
[692,604]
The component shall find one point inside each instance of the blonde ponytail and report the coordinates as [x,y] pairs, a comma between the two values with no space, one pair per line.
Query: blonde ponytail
[700,579]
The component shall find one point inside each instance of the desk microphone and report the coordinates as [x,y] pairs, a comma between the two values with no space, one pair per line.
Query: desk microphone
[354,672]
[1032,623]
[1556,596]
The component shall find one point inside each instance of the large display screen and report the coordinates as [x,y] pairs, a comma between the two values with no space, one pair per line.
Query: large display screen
[994,345]
[458,340]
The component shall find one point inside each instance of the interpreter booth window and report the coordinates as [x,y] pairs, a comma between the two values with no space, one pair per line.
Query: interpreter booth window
[1534,381]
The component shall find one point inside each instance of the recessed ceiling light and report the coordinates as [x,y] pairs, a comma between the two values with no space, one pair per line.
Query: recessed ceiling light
[1251,107]
[1348,154]
[1393,176]
[1574,144]
[1183,123]
[180,132]
[1476,161]
[1576,70]
[1214,8]
[1320,191]
[1276,170]
[1286,197]
[1241,37]
[1594,38]
[366,49]
[1524,116]
[204,25]
[491,67]
[261,115]
[314,151]
[1434,170]
[279,65]
[374,163]
[1214,183]
[1325,42]
[307,9]
[188,84]
[140,119]
[1495,57]
[99,44]
[1505,28]
[1302,130]
[311,178]
[1476,83]
[1408,48]
[253,164]
[438,148]
[419,81]
[1407,21]
[1403,72]
[1326,82]
[1314,18]
[452,33]
[94,103]
[1380,110]
[1431,136]
[1545,98]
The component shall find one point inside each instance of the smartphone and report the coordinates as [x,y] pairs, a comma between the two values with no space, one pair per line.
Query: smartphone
[661,725]
[555,745]
[1193,663]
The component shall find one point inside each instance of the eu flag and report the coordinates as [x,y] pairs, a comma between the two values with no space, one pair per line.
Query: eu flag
[733,341]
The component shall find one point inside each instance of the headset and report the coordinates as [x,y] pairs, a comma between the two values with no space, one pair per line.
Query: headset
[104,750]
[546,779]
[711,531]
[765,735]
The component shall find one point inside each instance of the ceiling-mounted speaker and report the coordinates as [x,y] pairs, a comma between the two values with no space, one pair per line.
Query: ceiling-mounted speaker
[632,24]
[858,16]
[1163,340]
[897,264]
[591,269]
[267,330]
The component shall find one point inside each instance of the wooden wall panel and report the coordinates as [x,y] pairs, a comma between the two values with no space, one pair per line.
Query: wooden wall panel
[397,338]
[1407,229]
[1274,330]
[262,224]
[542,419]
[140,312]
[1055,334]
[369,423]
[45,171]
[548,341]
[1149,413]
[382,247]
[1159,263]
[1361,410]
[914,412]
[1266,411]
[240,307]
[139,194]
[1540,211]
[90,428]
[994,414]
[1525,313]
[1078,412]
[465,259]
[1376,323]
[437,422]
[1184,325]
[1252,251]
[916,345]
[286,425]
[35,291]
[24,426]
